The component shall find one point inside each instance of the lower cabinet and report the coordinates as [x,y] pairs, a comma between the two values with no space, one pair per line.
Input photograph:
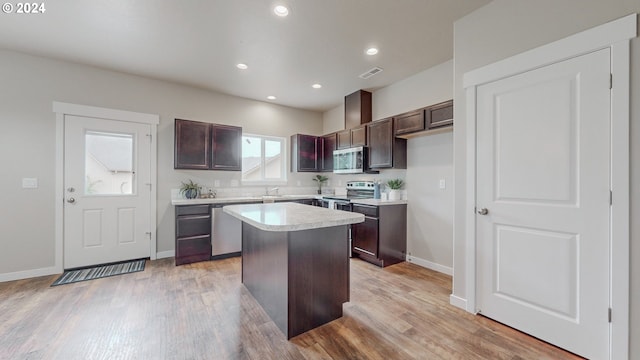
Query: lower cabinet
[193,234]
[382,238]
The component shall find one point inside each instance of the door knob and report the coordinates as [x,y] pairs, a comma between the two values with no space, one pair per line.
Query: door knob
[71,200]
[483,211]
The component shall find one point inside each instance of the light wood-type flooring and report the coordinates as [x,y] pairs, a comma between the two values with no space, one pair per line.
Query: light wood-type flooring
[202,311]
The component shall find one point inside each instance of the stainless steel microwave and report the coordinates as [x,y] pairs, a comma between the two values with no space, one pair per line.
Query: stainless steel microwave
[350,161]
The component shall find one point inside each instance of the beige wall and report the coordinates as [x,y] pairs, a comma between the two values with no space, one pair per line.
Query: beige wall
[27,141]
[430,159]
[507,27]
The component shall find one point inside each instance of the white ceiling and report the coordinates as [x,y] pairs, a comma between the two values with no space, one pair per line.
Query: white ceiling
[199,42]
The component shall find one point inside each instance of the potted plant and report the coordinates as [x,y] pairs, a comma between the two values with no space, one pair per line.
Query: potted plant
[395,185]
[190,189]
[320,179]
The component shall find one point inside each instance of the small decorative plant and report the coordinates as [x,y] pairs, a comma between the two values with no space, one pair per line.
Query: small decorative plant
[395,184]
[320,179]
[190,189]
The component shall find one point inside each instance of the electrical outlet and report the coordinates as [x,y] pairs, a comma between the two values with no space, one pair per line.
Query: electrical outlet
[216,183]
[298,183]
[443,184]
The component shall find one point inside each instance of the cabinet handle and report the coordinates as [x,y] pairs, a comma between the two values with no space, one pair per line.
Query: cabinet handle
[364,251]
[189,217]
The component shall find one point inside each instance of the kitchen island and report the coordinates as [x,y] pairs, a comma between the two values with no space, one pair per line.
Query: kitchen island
[295,261]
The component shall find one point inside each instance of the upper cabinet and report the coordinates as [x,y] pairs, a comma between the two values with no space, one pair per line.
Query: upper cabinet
[227,147]
[439,115]
[304,153]
[205,146]
[356,136]
[192,145]
[410,122]
[357,109]
[385,150]
[425,121]
[327,145]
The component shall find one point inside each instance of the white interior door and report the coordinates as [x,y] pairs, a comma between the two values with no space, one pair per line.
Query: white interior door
[107,196]
[543,176]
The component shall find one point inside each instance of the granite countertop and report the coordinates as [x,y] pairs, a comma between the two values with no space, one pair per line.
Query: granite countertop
[289,216]
[242,199]
[378,202]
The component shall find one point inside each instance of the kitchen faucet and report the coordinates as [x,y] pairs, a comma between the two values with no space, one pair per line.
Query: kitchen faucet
[267,190]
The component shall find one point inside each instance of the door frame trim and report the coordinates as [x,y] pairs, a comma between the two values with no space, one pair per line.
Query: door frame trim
[62,109]
[615,35]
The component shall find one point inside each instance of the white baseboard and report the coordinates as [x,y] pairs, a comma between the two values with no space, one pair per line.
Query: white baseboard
[430,265]
[19,275]
[165,254]
[458,302]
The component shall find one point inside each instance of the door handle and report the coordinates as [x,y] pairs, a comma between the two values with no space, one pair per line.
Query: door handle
[483,211]
[71,200]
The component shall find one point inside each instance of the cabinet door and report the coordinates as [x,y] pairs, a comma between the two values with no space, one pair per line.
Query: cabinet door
[365,236]
[357,109]
[359,136]
[307,151]
[409,122]
[328,143]
[439,115]
[343,139]
[380,139]
[191,145]
[226,148]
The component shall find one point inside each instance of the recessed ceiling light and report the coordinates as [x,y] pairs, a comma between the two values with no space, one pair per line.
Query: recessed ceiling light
[271,97]
[316,86]
[372,51]
[281,10]
[242,66]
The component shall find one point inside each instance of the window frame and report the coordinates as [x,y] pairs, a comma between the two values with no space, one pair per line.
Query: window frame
[283,151]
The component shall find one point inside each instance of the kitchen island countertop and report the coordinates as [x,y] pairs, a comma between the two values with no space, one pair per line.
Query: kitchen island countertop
[288,216]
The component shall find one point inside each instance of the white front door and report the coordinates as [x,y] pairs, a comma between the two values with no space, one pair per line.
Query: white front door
[543,188]
[107,209]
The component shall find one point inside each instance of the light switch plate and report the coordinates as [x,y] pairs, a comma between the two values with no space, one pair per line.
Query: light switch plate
[29,183]
[443,184]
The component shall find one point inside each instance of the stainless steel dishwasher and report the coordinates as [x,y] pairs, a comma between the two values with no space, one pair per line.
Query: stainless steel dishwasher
[226,234]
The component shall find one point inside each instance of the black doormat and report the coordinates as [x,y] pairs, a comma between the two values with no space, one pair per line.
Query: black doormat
[100,271]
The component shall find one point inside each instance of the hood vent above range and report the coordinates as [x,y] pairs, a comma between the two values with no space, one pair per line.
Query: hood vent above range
[370,73]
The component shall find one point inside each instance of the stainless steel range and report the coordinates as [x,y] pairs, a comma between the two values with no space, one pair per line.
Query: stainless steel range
[355,190]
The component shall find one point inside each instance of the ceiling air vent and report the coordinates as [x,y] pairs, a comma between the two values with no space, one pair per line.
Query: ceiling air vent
[370,73]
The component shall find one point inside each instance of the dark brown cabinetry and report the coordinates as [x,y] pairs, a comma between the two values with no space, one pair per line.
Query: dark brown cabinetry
[204,146]
[385,150]
[410,122]
[352,137]
[439,115]
[382,238]
[423,121]
[312,153]
[327,145]
[192,145]
[357,109]
[193,234]
[227,147]
[304,153]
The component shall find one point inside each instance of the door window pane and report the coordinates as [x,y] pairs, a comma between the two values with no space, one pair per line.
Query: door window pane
[108,164]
